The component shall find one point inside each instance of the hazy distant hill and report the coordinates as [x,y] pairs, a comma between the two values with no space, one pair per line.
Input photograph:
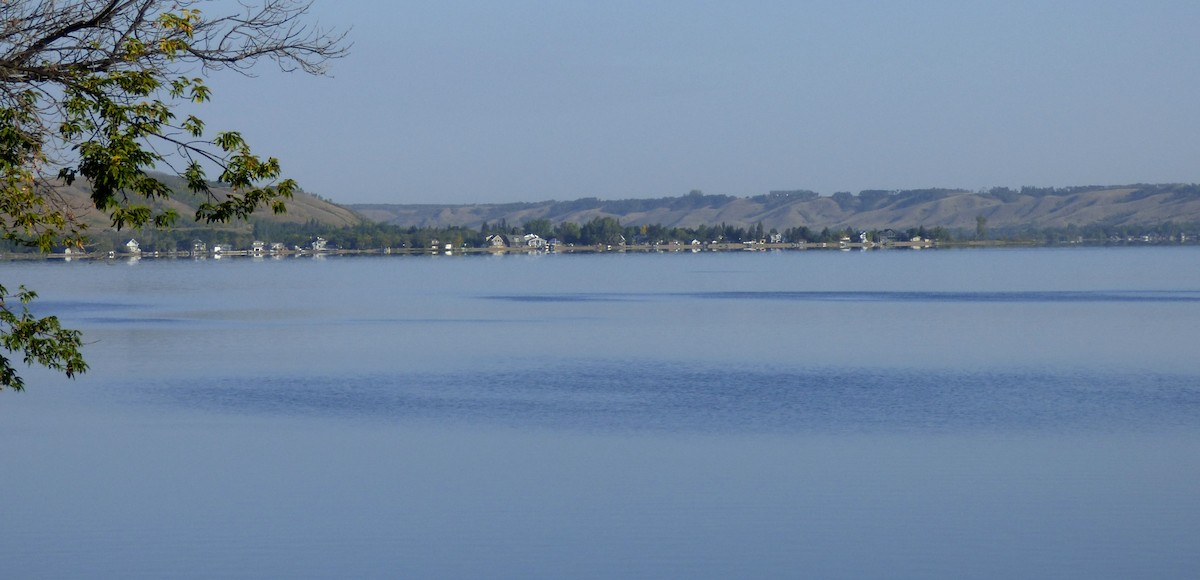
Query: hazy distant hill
[1002,207]
[303,208]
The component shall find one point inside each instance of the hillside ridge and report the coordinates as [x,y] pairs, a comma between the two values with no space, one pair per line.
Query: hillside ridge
[302,208]
[1117,205]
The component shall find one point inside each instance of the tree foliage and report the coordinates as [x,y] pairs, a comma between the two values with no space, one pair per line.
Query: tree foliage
[92,90]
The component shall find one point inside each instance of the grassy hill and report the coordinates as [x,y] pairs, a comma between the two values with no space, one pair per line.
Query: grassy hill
[951,208]
[303,208]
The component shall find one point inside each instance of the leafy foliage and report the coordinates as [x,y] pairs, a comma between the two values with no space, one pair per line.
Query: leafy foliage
[89,90]
[42,341]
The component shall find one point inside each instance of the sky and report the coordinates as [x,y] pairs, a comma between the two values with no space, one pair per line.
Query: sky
[459,101]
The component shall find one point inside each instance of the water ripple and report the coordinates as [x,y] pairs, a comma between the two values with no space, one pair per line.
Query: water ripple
[689,398]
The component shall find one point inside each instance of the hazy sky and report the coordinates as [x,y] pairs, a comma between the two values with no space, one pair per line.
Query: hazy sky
[522,100]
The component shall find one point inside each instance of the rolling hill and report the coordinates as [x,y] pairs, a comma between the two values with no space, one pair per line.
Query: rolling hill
[302,208]
[950,208]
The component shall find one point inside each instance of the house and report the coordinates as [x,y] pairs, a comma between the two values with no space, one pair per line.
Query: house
[132,247]
[278,248]
[776,238]
[199,248]
[258,248]
[525,241]
[495,241]
[318,245]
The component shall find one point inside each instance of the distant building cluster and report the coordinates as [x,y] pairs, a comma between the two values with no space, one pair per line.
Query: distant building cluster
[201,249]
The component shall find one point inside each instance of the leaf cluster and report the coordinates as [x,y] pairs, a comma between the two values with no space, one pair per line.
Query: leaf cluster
[91,90]
[41,341]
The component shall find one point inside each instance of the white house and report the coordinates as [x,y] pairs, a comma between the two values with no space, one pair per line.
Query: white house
[525,241]
[132,247]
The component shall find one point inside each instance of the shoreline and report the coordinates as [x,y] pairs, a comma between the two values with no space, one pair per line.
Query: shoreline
[560,249]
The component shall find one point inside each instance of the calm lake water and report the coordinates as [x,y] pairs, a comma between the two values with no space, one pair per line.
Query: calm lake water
[955,414]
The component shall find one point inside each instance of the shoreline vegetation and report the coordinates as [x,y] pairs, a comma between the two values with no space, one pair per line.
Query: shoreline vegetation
[450,250]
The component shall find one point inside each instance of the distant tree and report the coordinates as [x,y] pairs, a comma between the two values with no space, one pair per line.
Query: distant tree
[872,198]
[542,227]
[845,200]
[91,89]
[601,230]
[567,232]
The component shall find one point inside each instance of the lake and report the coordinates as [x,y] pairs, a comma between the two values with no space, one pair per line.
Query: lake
[950,413]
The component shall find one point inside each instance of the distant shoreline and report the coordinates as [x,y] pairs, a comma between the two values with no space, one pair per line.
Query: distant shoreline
[571,249]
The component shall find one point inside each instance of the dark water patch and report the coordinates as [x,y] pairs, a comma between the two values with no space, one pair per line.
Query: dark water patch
[689,398]
[131,321]
[434,321]
[1169,296]
[41,307]
[985,297]
[569,297]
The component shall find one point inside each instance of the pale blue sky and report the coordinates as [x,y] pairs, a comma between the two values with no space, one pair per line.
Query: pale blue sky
[526,100]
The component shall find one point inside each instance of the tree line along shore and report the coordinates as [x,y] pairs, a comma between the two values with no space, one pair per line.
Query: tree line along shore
[264,237]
